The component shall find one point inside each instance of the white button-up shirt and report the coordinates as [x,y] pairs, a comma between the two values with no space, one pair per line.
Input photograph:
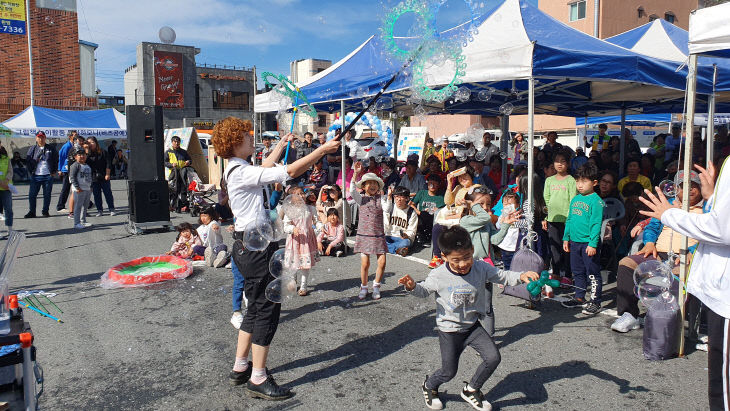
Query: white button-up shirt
[245,189]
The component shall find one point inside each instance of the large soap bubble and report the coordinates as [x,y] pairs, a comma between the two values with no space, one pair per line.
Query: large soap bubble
[167,35]
[668,188]
[651,268]
[280,288]
[276,264]
[506,109]
[257,235]
[475,132]
[653,281]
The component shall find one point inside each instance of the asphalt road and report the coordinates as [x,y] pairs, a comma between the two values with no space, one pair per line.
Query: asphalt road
[171,346]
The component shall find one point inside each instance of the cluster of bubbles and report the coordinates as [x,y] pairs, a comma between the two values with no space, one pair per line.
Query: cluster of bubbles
[259,233]
[284,284]
[370,120]
[287,95]
[653,280]
[428,48]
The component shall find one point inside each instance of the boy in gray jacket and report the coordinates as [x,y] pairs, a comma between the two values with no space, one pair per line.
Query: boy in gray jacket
[80,176]
[461,301]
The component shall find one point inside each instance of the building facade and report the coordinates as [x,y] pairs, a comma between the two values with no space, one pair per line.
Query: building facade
[57,60]
[606,18]
[191,95]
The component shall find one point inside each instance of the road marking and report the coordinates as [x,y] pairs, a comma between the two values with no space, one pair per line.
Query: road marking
[408,257]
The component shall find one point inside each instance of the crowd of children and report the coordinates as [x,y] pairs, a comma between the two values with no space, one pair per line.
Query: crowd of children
[474,231]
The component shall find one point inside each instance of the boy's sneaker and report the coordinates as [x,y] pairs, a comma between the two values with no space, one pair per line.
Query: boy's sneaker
[363,292]
[238,378]
[229,265]
[338,253]
[626,323]
[220,259]
[591,308]
[79,226]
[98,214]
[236,320]
[113,213]
[208,254]
[86,225]
[435,262]
[432,397]
[403,251]
[574,302]
[70,216]
[475,399]
[376,291]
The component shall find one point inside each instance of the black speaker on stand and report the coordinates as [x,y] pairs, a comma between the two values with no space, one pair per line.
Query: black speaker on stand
[147,188]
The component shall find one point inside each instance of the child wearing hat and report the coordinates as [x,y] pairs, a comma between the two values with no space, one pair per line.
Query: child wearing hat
[371,228]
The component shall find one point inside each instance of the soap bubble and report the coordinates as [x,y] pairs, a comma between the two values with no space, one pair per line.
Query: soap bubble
[280,289]
[506,109]
[322,20]
[256,236]
[362,91]
[484,95]
[462,94]
[50,21]
[481,155]
[651,268]
[654,290]
[276,264]
[475,132]
[167,35]
[668,188]
[261,28]
[420,112]
[502,155]
[146,110]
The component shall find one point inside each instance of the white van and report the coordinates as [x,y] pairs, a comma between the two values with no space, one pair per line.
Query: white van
[204,139]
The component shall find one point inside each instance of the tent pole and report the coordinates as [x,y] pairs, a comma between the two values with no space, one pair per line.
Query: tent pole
[255,122]
[30,51]
[345,189]
[503,144]
[709,141]
[530,154]
[622,145]
[690,119]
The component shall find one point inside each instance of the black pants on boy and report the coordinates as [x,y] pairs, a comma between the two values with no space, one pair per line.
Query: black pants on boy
[453,344]
[560,259]
[65,190]
[425,225]
[718,361]
[262,316]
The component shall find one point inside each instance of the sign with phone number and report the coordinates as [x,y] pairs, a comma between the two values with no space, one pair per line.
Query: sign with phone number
[12,27]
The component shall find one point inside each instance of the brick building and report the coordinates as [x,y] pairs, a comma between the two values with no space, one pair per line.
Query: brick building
[56,63]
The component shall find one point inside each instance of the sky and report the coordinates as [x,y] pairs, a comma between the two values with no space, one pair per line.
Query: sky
[268,34]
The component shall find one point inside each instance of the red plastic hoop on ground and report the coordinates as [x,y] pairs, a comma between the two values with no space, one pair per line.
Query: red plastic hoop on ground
[146,270]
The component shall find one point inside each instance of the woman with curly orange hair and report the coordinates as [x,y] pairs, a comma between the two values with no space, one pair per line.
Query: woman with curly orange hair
[232,140]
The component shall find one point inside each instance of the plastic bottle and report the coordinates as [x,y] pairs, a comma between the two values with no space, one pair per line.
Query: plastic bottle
[4,308]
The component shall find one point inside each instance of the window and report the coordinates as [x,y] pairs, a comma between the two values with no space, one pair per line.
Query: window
[653,17]
[641,12]
[322,120]
[232,100]
[577,10]
[669,16]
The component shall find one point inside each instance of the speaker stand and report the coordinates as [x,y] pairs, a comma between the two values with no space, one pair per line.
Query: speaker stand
[147,227]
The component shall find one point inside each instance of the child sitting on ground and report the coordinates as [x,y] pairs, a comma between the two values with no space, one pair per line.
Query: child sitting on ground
[331,240]
[581,241]
[400,222]
[186,241]
[462,300]
[427,203]
[209,231]
[301,242]
[329,197]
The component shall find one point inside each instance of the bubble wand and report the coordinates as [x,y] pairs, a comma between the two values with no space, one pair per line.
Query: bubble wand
[40,312]
[291,127]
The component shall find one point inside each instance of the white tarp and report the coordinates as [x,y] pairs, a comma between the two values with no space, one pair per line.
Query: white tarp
[709,31]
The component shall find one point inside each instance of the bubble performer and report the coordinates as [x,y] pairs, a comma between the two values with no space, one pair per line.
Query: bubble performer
[247,183]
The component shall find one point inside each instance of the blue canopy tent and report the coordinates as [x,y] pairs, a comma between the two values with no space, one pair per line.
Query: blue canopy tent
[634,120]
[102,124]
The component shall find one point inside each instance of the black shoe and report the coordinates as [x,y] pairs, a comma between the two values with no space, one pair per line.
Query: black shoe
[45,214]
[238,378]
[573,303]
[475,399]
[591,308]
[29,215]
[432,397]
[269,390]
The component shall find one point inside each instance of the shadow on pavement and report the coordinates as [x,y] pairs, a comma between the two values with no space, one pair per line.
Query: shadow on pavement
[363,350]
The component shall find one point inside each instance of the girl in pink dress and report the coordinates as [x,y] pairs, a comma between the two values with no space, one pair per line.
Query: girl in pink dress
[370,228]
[301,242]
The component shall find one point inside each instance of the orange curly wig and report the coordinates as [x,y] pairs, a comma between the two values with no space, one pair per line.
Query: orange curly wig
[229,133]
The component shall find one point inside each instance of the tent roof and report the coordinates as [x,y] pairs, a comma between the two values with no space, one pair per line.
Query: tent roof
[648,120]
[40,117]
[578,74]
[709,33]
